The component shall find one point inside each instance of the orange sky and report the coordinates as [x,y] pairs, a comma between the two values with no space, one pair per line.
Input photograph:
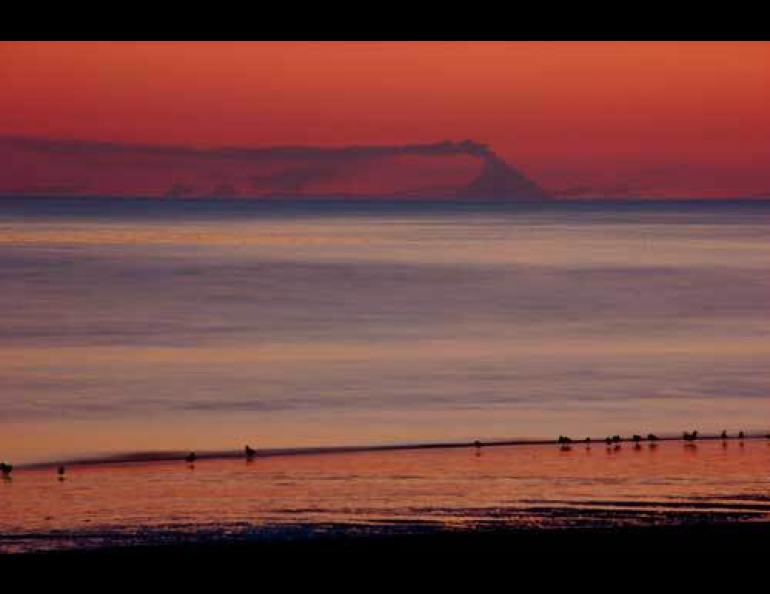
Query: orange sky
[677,118]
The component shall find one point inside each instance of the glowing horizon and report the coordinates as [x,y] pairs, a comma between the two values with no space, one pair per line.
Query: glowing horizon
[580,119]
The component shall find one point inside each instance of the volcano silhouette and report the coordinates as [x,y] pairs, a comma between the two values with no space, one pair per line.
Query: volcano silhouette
[464,170]
[498,180]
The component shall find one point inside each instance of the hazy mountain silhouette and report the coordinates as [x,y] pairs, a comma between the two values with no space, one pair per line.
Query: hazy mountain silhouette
[500,180]
[465,170]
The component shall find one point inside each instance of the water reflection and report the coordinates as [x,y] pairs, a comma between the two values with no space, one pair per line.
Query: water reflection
[523,485]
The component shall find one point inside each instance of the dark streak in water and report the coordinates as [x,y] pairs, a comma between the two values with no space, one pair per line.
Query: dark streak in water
[167,456]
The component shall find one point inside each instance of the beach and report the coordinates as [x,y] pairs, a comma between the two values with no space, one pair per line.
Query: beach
[362,349]
[385,315]
[526,493]
[569,557]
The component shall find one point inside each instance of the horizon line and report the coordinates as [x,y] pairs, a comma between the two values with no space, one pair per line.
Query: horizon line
[290,197]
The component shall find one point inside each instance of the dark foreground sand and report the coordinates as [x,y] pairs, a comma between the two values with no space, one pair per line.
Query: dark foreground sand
[645,551]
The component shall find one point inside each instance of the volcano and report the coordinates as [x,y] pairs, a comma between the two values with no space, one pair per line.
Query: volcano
[465,170]
[498,180]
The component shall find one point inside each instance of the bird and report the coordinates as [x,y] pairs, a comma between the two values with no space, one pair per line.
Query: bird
[6,469]
[249,452]
[740,435]
[724,434]
[190,458]
[60,472]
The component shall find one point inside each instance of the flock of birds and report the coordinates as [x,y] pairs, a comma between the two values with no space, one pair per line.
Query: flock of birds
[6,469]
[563,440]
[687,436]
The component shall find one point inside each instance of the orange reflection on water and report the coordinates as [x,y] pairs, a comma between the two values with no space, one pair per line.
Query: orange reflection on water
[519,486]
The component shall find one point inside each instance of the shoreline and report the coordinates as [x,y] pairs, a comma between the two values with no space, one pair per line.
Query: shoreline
[743,538]
[144,457]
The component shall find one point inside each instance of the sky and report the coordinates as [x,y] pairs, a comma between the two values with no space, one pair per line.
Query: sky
[580,119]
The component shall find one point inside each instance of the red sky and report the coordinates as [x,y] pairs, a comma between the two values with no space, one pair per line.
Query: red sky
[665,119]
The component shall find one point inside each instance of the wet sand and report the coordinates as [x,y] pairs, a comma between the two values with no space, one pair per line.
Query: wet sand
[520,494]
[594,553]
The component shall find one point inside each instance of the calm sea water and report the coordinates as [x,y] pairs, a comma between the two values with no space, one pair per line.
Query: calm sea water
[130,325]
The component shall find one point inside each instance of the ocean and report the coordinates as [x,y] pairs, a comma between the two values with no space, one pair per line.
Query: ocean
[132,325]
[131,328]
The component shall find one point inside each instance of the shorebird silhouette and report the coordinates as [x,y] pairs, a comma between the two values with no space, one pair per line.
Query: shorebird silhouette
[6,469]
[740,435]
[249,452]
[190,458]
[723,435]
[60,472]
